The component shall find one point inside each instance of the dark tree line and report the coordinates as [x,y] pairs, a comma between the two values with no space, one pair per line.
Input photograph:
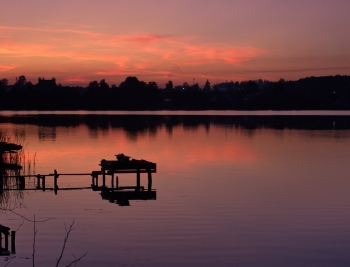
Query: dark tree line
[331,92]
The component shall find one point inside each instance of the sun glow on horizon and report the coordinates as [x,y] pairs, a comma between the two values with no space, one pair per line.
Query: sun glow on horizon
[221,42]
[78,56]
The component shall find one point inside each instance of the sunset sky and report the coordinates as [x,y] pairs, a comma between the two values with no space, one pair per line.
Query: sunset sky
[78,41]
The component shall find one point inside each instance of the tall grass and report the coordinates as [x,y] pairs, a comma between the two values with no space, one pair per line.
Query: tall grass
[13,165]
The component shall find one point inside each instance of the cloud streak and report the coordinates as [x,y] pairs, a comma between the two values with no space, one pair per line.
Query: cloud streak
[123,54]
[4,68]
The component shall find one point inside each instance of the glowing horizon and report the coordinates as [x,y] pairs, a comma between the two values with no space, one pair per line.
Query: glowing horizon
[223,42]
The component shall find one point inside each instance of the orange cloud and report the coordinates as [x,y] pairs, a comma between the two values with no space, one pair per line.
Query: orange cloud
[75,80]
[4,68]
[113,54]
[145,38]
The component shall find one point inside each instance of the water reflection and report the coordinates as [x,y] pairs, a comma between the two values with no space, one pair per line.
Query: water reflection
[245,190]
[135,125]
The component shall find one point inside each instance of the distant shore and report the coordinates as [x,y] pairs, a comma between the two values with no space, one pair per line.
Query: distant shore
[312,93]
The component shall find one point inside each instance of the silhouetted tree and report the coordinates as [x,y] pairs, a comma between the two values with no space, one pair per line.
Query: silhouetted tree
[169,85]
[185,85]
[4,82]
[103,85]
[152,85]
[132,83]
[207,86]
[22,81]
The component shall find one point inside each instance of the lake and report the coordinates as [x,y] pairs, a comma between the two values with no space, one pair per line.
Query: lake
[233,188]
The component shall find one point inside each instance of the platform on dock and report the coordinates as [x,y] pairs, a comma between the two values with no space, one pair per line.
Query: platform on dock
[130,166]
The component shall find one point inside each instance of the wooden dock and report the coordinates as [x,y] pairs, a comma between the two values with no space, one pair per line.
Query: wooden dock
[4,234]
[114,192]
[122,194]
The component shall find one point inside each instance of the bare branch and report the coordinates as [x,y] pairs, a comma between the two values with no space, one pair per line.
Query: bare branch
[68,231]
[19,226]
[25,218]
[11,258]
[76,260]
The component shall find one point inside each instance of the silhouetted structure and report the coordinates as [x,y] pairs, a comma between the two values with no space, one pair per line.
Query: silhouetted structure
[46,84]
[4,235]
[122,194]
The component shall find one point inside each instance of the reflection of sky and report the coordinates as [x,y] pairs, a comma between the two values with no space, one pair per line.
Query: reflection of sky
[257,197]
[79,41]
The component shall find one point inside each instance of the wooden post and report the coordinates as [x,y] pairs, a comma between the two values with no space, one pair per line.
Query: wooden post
[13,242]
[117,182]
[149,180]
[38,181]
[138,183]
[22,183]
[43,182]
[112,181]
[6,241]
[55,177]
[112,189]
[103,177]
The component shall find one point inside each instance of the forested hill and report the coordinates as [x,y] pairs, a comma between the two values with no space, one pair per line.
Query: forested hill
[312,93]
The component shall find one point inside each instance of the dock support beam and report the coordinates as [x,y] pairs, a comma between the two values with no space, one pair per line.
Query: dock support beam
[138,183]
[94,179]
[103,177]
[13,242]
[112,181]
[43,182]
[149,180]
[55,177]
[38,181]
[6,241]
[22,183]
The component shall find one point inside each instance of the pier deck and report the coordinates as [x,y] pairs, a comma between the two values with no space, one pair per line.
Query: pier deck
[123,164]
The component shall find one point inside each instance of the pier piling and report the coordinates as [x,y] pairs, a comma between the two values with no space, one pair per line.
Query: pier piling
[55,177]
[13,242]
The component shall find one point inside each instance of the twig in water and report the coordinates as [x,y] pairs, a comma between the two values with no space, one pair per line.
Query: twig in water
[10,259]
[68,231]
[19,226]
[76,260]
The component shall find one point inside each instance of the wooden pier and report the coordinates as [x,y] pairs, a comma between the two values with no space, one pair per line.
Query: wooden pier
[114,192]
[4,234]
[121,194]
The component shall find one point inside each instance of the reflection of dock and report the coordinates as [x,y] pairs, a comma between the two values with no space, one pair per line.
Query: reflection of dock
[114,192]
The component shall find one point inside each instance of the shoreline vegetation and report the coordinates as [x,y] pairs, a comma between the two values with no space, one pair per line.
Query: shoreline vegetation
[311,93]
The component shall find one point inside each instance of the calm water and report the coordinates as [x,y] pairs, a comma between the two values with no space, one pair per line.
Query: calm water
[232,189]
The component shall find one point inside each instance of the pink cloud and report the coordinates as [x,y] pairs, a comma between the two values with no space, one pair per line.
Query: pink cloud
[4,68]
[145,38]
[162,56]
[76,79]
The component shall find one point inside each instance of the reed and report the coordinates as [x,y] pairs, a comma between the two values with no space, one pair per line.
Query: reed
[14,164]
